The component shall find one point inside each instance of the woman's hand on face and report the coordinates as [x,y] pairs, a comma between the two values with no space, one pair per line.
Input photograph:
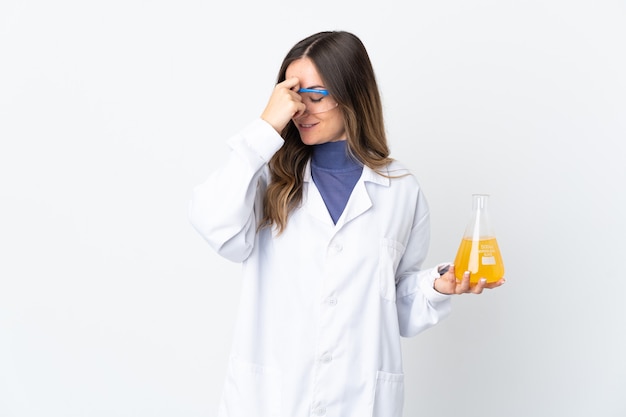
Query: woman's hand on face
[284,104]
[448,284]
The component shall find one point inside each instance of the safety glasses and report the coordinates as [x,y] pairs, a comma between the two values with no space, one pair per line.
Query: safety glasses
[317,100]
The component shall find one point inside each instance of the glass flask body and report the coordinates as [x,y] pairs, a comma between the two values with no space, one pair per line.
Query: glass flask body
[479,252]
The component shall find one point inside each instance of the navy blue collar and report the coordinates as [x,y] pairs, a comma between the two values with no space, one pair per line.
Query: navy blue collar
[333,155]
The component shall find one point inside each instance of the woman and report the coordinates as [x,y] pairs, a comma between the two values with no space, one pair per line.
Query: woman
[332,233]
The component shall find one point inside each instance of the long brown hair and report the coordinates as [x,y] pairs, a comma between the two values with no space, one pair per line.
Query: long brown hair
[344,65]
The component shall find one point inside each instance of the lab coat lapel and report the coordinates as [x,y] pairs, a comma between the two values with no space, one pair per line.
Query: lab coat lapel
[314,202]
[358,203]
[360,200]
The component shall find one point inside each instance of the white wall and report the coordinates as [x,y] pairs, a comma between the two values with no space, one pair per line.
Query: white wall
[110,112]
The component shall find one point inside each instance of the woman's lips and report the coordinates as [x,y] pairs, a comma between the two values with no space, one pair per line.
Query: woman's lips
[306,125]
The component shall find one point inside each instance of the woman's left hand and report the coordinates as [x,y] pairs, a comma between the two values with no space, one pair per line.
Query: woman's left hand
[448,284]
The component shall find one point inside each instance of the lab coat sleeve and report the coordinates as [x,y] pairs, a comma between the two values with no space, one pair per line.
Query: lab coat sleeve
[226,207]
[419,305]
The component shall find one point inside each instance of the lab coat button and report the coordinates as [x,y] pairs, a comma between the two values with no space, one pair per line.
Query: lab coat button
[336,248]
[331,301]
[326,358]
[320,411]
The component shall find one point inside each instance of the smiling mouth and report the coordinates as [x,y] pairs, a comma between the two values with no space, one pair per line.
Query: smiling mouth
[308,125]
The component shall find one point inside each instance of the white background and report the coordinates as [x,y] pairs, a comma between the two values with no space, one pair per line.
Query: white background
[111,111]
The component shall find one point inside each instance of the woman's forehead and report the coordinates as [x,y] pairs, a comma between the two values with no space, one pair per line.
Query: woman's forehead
[305,71]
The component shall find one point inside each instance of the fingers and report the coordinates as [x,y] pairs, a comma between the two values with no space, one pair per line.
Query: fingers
[284,103]
[495,284]
[292,83]
[482,284]
[449,284]
[464,286]
[478,288]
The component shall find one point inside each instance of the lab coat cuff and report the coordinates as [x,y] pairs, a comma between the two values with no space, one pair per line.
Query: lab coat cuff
[427,284]
[258,138]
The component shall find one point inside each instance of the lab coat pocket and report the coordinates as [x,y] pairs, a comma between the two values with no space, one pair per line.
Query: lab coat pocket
[389,396]
[251,390]
[389,258]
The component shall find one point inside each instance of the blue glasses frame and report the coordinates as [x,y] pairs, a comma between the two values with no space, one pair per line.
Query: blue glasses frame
[313,90]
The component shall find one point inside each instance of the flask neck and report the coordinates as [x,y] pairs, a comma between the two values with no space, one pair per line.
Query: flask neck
[480,201]
[479,227]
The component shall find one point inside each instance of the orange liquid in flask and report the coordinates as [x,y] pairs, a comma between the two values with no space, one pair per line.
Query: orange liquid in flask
[481,257]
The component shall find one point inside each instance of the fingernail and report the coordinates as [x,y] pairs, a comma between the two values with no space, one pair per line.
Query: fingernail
[466,273]
[483,280]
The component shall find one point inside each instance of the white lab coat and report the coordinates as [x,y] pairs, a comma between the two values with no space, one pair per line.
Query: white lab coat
[323,305]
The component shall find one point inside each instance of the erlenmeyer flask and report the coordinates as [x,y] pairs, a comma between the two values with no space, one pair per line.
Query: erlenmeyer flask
[479,252]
